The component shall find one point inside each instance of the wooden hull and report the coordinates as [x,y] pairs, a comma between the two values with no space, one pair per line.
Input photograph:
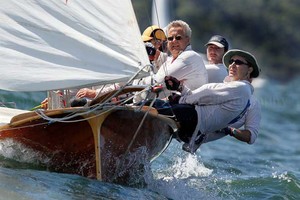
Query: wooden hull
[103,144]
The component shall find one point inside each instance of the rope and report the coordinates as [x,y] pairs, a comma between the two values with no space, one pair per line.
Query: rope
[139,127]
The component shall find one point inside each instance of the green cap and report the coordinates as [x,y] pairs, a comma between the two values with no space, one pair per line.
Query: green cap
[248,57]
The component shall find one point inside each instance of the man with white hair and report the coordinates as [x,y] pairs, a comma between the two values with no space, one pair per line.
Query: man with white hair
[184,63]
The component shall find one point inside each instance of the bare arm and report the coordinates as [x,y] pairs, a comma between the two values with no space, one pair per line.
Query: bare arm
[242,135]
[86,92]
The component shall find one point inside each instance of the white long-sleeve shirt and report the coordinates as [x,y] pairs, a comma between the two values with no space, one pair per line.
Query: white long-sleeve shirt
[216,72]
[188,66]
[217,104]
[251,119]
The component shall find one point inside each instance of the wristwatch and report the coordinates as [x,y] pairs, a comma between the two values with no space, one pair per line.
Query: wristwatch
[234,132]
[180,87]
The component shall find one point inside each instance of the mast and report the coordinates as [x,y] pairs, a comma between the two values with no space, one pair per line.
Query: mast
[160,12]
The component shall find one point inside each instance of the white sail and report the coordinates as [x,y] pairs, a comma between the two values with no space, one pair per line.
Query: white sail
[58,44]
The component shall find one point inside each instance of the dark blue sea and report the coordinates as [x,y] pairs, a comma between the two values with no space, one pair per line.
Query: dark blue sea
[224,169]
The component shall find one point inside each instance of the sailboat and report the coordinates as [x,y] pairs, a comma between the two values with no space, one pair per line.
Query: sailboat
[58,44]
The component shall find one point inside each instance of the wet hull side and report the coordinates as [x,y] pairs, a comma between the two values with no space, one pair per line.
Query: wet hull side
[103,146]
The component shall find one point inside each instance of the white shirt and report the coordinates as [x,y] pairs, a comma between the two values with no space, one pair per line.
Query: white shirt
[217,104]
[188,66]
[216,72]
[251,119]
[162,58]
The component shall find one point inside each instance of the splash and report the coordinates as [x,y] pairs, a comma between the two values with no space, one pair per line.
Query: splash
[184,179]
[284,176]
[189,167]
[135,166]
[16,151]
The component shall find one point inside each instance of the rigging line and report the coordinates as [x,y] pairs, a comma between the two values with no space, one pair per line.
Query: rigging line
[45,117]
[70,116]
[123,101]
[164,64]
[63,119]
[140,126]
[154,6]
[67,119]
[158,24]
[127,83]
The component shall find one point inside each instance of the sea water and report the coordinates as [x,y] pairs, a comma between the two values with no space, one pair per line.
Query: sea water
[223,169]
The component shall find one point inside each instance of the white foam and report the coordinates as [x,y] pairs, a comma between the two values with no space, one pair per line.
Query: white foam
[16,151]
[190,166]
[183,179]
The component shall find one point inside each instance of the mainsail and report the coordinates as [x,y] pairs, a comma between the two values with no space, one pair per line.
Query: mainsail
[58,44]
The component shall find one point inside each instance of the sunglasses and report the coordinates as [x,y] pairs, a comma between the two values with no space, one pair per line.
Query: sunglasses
[156,40]
[177,37]
[237,62]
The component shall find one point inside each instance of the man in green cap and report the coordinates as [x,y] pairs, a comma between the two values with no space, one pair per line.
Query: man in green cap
[215,106]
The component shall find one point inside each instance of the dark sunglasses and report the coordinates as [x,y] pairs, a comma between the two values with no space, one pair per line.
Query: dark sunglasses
[237,62]
[177,37]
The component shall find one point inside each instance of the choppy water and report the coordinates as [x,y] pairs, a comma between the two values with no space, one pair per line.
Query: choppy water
[224,169]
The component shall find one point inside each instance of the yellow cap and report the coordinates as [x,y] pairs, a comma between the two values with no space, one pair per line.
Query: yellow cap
[155,31]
